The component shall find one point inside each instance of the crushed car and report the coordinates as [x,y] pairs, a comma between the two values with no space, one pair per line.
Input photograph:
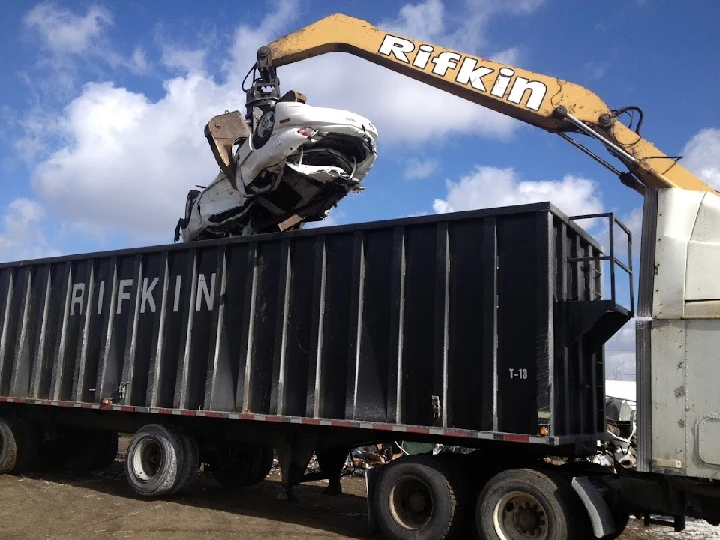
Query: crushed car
[285,164]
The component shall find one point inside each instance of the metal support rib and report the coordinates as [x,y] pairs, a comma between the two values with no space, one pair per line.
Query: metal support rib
[59,364]
[247,383]
[156,362]
[181,393]
[39,362]
[211,381]
[285,314]
[321,331]
[78,391]
[401,327]
[103,390]
[19,384]
[360,242]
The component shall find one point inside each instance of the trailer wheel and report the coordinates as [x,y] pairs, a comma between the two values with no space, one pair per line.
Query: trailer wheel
[19,445]
[527,503]
[9,447]
[154,460]
[240,465]
[191,462]
[416,498]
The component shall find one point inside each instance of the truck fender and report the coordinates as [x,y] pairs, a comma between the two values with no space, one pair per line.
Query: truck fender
[597,509]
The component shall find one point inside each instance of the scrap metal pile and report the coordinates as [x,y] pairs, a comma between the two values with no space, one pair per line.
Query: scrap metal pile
[284,164]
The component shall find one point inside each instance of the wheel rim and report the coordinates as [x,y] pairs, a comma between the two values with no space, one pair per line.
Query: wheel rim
[411,503]
[266,124]
[148,459]
[520,515]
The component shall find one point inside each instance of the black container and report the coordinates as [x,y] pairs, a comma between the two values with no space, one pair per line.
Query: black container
[483,321]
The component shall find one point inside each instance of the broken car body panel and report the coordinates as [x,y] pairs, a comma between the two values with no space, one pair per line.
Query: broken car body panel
[299,163]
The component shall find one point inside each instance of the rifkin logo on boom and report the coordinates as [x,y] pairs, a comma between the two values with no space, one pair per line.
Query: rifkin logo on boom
[469,73]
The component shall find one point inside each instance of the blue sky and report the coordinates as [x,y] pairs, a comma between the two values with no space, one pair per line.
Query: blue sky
[103,103]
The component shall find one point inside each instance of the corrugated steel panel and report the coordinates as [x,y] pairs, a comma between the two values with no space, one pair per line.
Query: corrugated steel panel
[456,321]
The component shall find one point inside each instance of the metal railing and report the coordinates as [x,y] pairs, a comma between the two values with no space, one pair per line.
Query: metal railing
[612,220]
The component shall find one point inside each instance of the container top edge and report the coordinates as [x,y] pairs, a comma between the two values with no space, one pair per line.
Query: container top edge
[314,232]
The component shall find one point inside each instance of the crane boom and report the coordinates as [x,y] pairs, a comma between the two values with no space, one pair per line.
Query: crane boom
[546,102]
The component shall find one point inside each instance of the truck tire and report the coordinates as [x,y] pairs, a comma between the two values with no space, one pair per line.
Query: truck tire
[240,465]
[191,462]
[417,498]
[528,503]
[19,445]
[9,447]
[154,460]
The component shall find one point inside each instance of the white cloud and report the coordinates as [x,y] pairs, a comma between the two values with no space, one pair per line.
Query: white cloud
[416,169]
[72,44]
[184,60]
[22,235]
[702,156]
[139,62]
[62,31]
[131,162]
[406,110]
[125,162]
[595,70]
[490,187]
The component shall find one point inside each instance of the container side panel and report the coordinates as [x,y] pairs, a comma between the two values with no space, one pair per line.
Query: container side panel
[521,276]
[419,327]
[203,337]
[374,367]
[574,371]
[27,338]
[122,308]
[317,327]
[466,359]
[489,309]
[337,335]
[75,289]
[300,317]
[264,339]
[546,224]
[223,364]
[217,351]
[441,324]
[82,298]
[11,308]
[561,398]
[583,350]
[41,292]
[239,303]
[150,303]
[93,308]
[173,333]
[398,291]
[188,290]
[283,292]
[105,306]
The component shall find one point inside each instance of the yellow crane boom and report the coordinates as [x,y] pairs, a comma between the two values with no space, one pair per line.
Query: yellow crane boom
[549,103]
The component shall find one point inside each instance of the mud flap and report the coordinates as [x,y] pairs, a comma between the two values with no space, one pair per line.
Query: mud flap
[371,479]
[597,508]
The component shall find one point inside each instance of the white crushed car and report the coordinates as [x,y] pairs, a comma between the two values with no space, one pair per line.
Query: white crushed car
[300,161]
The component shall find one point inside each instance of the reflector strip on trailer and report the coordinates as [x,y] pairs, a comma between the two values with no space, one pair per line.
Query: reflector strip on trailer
[349,424]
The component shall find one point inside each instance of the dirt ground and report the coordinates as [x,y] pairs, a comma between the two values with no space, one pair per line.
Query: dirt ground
[57,507]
